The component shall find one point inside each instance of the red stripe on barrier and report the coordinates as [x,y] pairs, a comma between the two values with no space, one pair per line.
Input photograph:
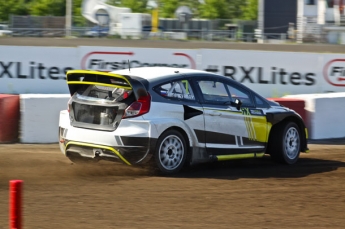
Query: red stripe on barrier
[9,118]
[16,204]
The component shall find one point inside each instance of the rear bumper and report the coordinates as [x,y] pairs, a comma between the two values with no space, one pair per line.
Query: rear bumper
[131,143]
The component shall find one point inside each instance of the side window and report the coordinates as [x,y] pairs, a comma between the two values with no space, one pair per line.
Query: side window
[180,89]
[241,94]
[260,103]
[213,91]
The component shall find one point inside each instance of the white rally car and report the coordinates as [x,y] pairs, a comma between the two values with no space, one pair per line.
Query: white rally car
[175,117]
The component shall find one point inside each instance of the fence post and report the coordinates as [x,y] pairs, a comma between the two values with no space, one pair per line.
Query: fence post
[16,204]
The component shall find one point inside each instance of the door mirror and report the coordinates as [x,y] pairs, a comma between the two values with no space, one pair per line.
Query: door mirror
[237,103]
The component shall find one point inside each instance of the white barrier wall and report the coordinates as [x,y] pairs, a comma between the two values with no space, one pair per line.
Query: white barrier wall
[325,114]
[40,117]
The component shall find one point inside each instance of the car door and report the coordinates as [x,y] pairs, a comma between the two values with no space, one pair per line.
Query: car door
[253,112]
[229,130]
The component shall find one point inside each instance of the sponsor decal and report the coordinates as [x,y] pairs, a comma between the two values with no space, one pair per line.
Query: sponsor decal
[33,71]
[255,112]
[334,72]
[255,75]
[104,61]
[249,124]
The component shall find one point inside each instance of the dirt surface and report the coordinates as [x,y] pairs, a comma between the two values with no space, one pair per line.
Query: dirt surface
[74,42]
[237,194]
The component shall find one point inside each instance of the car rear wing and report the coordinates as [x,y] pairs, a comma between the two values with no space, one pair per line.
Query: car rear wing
[78,78]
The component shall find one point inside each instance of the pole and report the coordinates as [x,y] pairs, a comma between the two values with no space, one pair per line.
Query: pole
[16,204]
[68,24]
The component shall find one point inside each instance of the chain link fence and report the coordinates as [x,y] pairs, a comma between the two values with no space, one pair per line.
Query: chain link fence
[171,29]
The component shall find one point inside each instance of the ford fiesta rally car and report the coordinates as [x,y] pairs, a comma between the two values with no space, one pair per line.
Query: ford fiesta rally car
[174,117]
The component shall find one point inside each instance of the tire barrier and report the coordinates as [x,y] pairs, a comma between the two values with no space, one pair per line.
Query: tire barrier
[9,118]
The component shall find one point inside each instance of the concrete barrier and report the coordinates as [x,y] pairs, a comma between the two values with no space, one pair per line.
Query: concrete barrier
[40,117]
[325,114]
[9,118]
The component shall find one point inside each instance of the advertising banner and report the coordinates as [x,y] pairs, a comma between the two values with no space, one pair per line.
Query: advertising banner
[113,58]
[41,70]
[271,74]
[25,69]
[333,72]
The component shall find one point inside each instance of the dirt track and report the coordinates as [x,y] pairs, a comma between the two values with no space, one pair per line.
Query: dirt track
[238,194]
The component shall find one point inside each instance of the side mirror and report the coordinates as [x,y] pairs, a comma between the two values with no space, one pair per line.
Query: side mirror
[237,103]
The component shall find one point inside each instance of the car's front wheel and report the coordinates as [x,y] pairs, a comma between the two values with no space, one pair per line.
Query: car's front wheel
[171,152]
[285,144]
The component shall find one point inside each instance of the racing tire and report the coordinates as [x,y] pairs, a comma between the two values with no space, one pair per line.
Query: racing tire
[285,143]
[171,152]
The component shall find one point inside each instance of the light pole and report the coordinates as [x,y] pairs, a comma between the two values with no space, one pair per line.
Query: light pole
[68,24]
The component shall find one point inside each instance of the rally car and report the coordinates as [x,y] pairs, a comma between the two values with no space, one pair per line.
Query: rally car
[173,117]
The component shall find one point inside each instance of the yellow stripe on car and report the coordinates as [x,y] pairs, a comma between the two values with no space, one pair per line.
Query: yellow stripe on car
[99,146]
[256,126]
[96,73]
[306,133]
[71,72]
[239,156]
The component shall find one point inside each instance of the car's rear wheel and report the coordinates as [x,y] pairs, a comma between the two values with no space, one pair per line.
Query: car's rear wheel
[285,143]
[171,152]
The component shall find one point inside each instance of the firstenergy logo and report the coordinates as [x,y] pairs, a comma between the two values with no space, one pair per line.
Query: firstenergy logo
[334,72]
[109,61]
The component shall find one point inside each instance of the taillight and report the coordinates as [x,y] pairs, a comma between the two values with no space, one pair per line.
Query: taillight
[140,107]
[69,103]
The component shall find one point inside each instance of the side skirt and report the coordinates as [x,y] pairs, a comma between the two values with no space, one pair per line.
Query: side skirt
[237,156]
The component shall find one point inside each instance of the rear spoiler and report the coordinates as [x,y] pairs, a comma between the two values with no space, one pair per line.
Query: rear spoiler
[79,78]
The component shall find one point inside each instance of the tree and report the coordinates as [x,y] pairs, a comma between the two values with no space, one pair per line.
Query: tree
[235,8]
[48,7]
[78,19]
[213,9]
[167,8]
[137,6]
[8,7]
[250,10]
[229,9]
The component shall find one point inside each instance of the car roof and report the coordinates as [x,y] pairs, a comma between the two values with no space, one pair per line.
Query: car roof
[158,74]
[150,73]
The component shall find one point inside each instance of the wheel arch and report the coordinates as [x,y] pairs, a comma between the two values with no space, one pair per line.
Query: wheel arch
[162,125]
[279,119]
